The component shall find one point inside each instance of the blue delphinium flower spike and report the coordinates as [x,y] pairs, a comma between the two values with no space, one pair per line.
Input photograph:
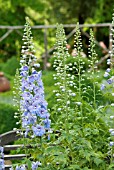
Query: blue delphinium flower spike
[35,116]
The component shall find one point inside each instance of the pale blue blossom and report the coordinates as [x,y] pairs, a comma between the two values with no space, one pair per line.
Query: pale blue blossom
[108,70]
[111,143]
[38,130]
[21,167]
[106,74]
[35,165]
[102,87]
[2,166]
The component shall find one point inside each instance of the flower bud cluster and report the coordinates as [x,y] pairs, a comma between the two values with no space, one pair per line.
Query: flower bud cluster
[93,69]
[80,76]
[63,77]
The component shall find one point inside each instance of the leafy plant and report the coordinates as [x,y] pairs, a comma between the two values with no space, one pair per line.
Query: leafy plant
[79,138]
[10,66]
[79,145]
[7,115]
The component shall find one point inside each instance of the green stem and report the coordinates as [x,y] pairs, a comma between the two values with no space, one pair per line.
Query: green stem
[66,95]
[43,156]
[94,95]
[80,95]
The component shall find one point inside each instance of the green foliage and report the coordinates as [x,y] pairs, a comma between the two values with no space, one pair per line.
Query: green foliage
[7,121]
[81,123]
[10,12]
[41,12]
[10,66]
[76,10]
[76,112]
[49,87]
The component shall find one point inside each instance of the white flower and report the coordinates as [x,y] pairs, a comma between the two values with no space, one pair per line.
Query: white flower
[112,133]
[111,117]
[78,103]
[59,109]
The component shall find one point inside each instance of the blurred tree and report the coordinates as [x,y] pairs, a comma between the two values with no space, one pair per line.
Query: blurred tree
[42,12]
[13,13]
[66,11]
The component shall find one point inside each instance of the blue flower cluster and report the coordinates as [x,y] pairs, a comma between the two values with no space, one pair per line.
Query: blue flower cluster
[112,133]
[21,167]
[33,113]
[33,106]
[107,74]
[34,166]
[2,166]
[110,80]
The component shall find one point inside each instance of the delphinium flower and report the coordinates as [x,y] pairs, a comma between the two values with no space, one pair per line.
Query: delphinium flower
[108,75]
[64,79]
[80,74]
[109,86]
[35,165]
[2,165]
[64,109]
[110,78]
[93,70]
[19,167]
[79,64]
[35,116]
[17,95]
[16,89]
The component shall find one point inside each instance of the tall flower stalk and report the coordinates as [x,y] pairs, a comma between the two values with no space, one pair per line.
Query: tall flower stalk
[63,78]
[79,70]
[33,106]
[78,49]
[93,67]
[64,93]
[33,115]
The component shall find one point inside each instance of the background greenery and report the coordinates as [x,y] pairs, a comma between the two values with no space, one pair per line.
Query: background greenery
[40,13]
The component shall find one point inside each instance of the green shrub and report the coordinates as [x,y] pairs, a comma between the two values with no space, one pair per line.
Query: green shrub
[10,66]
[49,87]
[7,121]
